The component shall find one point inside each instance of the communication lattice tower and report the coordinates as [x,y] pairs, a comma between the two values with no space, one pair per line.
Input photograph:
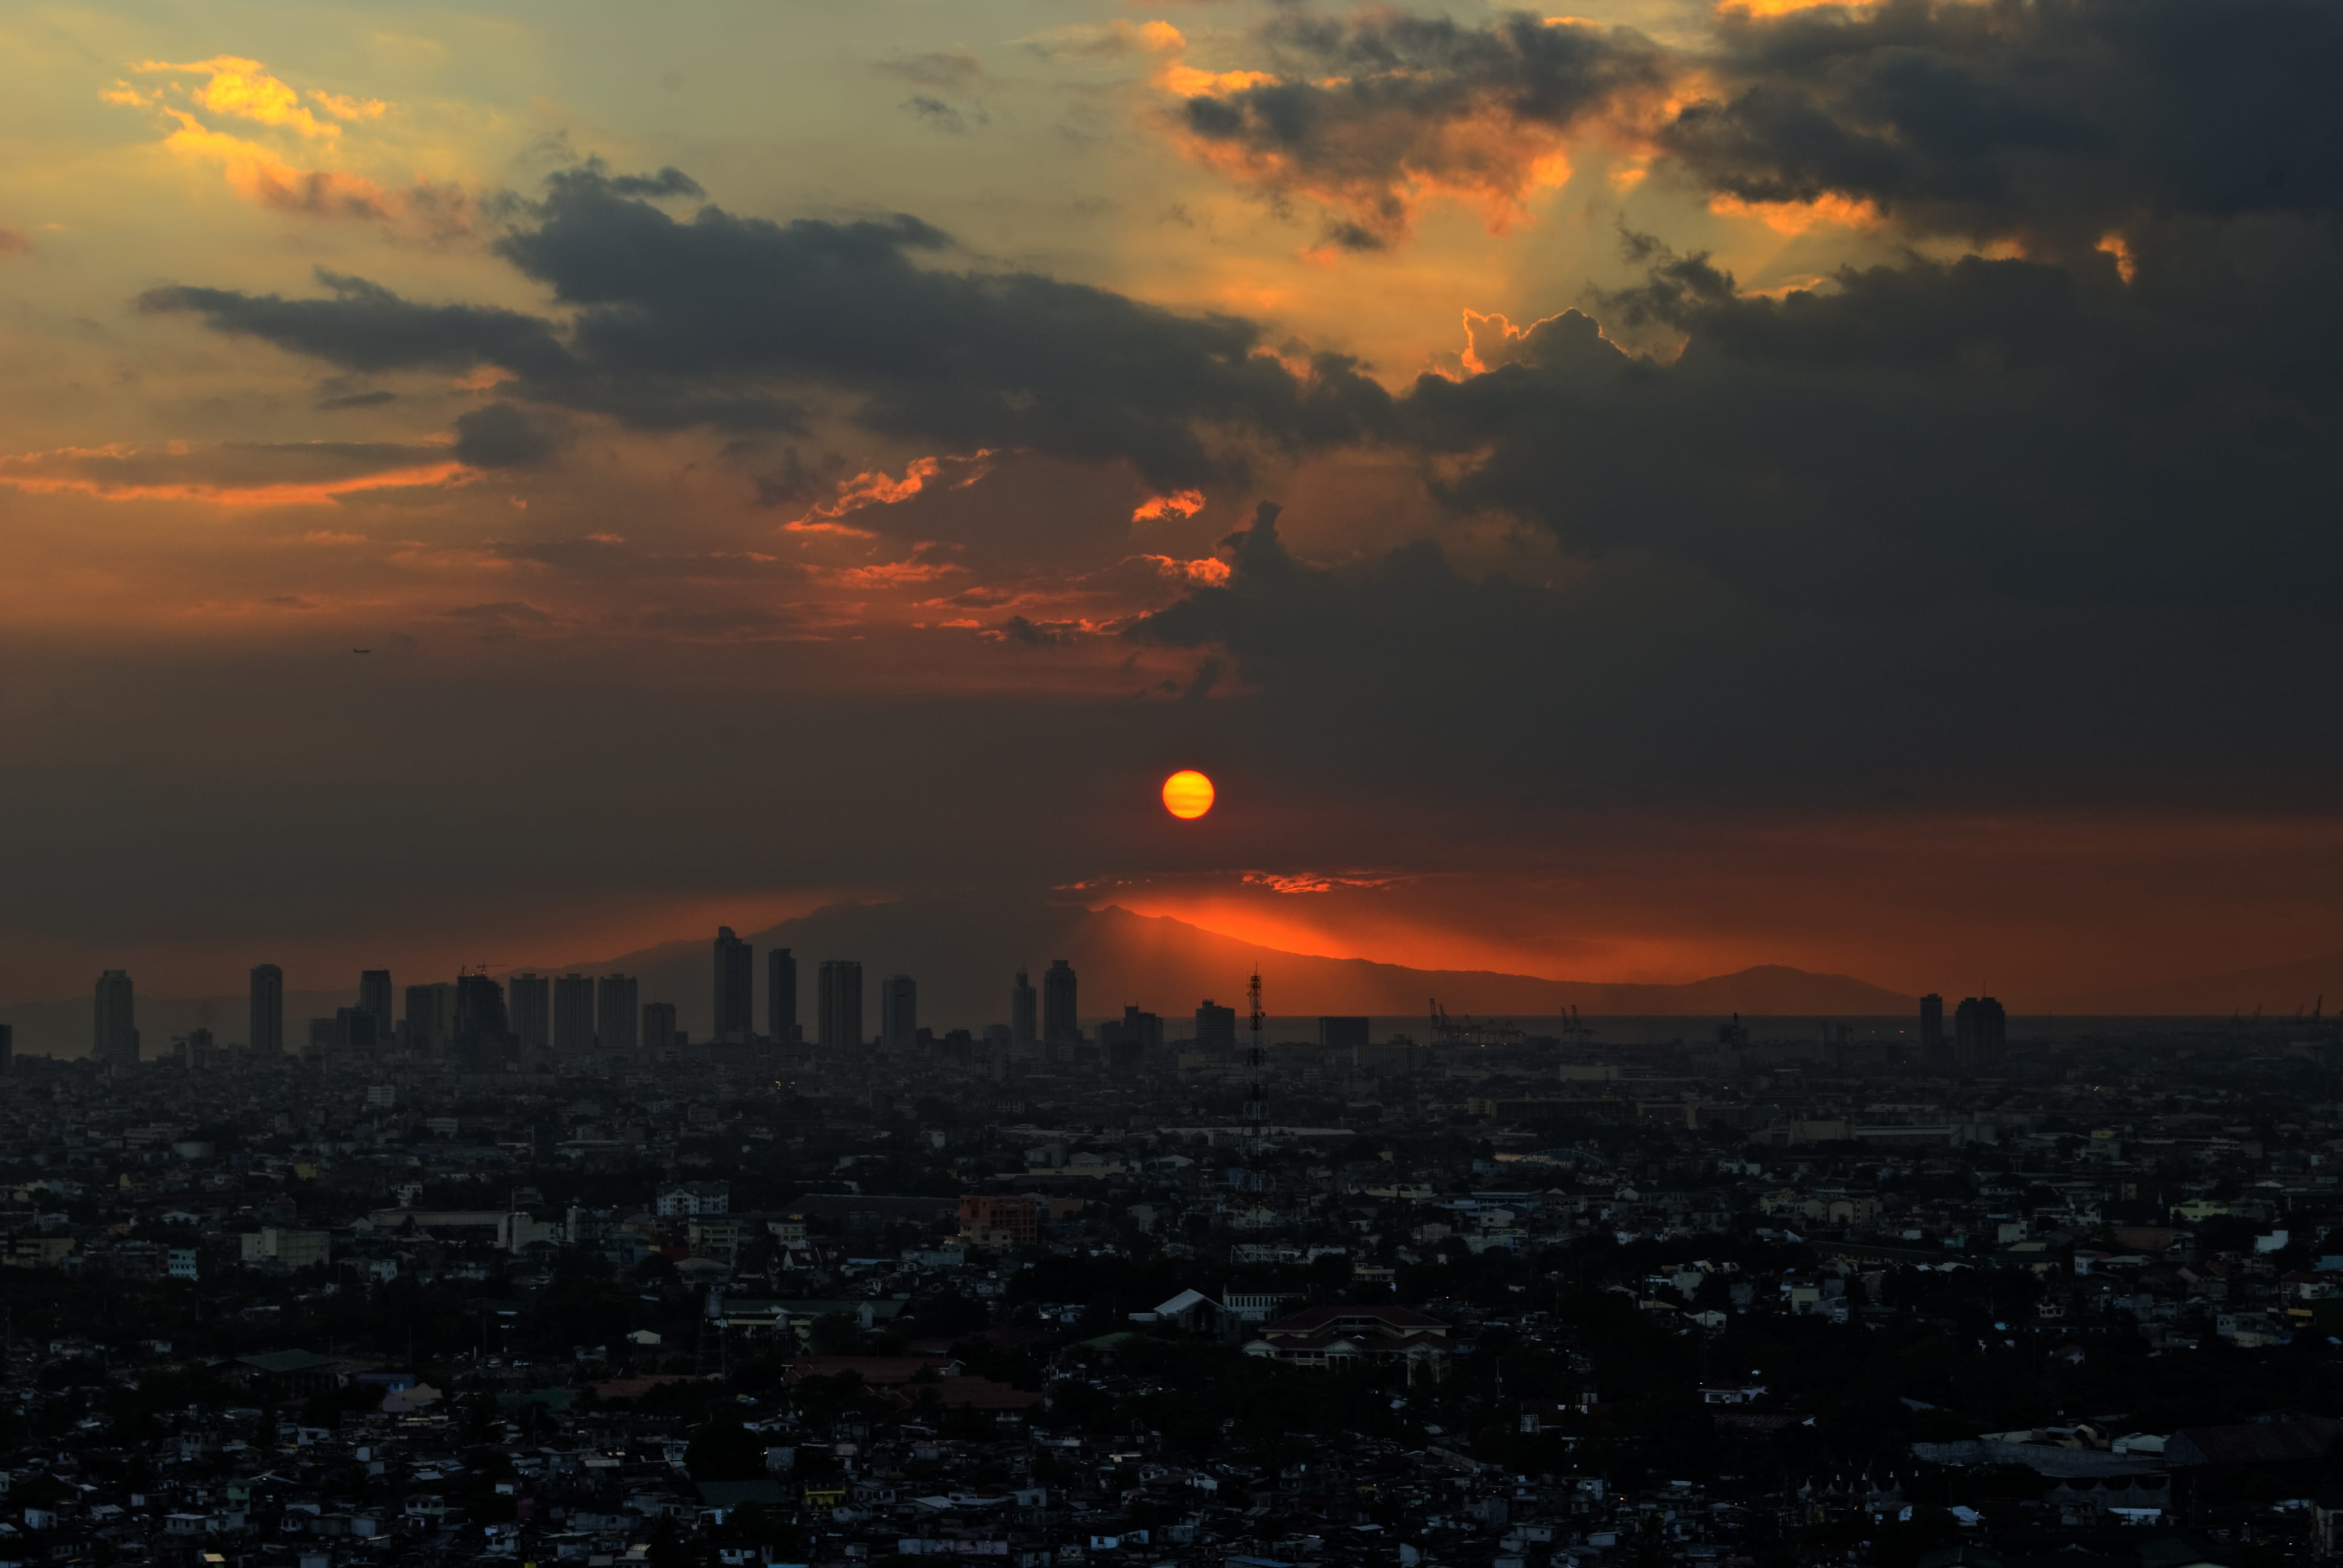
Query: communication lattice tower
[1256,1110]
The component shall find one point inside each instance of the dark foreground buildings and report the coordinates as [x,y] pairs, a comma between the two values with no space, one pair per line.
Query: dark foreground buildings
[1744,1293]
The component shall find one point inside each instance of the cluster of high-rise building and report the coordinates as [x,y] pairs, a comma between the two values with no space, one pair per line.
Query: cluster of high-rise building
[1980,1033]
[530,1017]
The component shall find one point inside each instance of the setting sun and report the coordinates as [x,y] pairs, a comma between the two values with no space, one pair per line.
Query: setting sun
[1187,794]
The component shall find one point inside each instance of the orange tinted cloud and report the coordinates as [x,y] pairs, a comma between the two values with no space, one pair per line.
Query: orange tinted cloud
[1492,340]
[245,90]
[876,488]
[259,176]
[226,476]
[895,574]
[241,90]
[1376,119]
[1381,173]
[1798,216]
[1207,571]
[1783,7]
[1179,504]
[1317,882]
[2125,265]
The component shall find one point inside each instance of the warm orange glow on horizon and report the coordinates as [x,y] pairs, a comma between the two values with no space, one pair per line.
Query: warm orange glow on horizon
[1188,794]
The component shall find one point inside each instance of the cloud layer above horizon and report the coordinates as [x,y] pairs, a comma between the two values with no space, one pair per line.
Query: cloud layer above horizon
[1622,498]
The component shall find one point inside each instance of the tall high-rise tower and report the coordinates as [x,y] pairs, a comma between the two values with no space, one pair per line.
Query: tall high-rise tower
[528,998]
[617,1017]
[573,1016]
[899,1014]
[482,1028]
[113,1040]
[735,989]
[841,1003]
[430,1016]
[1061,1022]
[374,997]
[1024,1016]
[781,996]
[1932,1022]
[265,1022]
[1980,1029]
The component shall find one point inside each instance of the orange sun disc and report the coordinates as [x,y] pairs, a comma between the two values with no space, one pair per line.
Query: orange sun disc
[1187,794]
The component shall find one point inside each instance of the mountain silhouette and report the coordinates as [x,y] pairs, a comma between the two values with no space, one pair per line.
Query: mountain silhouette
[963,953]
[2280,990]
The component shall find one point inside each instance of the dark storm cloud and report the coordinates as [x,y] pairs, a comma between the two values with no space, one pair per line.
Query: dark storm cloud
[938,114]
[366,327]
[2018,528]
[1991,428]
[502,437]
[667,182]
[2057,120]
[1019,630]
[712,320]
[2054,117]
[339,401]
[247,470]
[1648,679]
[1363,109]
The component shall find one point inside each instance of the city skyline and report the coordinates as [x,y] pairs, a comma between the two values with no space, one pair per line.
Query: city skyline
[525,1021]
[1623,498]
[1133,963]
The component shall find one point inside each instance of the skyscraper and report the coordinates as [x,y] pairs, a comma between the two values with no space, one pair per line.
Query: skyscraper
[482,1027]
[113,1041]
[1061,1023]
[354,1031]
[616,1017]
[1216,1027]
[264,1021]
[736,988]
[899,1014]
[658,1027]
[1932,1022]
[1132,1041]
[781,996]
[374,995]
[573,1017]
[1980,1031]
[529,998]
[7,1047]
[841,1003]
[430,1016]
[1024,1029]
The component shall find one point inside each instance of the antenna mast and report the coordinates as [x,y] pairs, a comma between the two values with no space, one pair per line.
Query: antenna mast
[1256,1110]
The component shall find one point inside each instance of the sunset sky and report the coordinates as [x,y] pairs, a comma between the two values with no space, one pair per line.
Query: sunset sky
[1623,495]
